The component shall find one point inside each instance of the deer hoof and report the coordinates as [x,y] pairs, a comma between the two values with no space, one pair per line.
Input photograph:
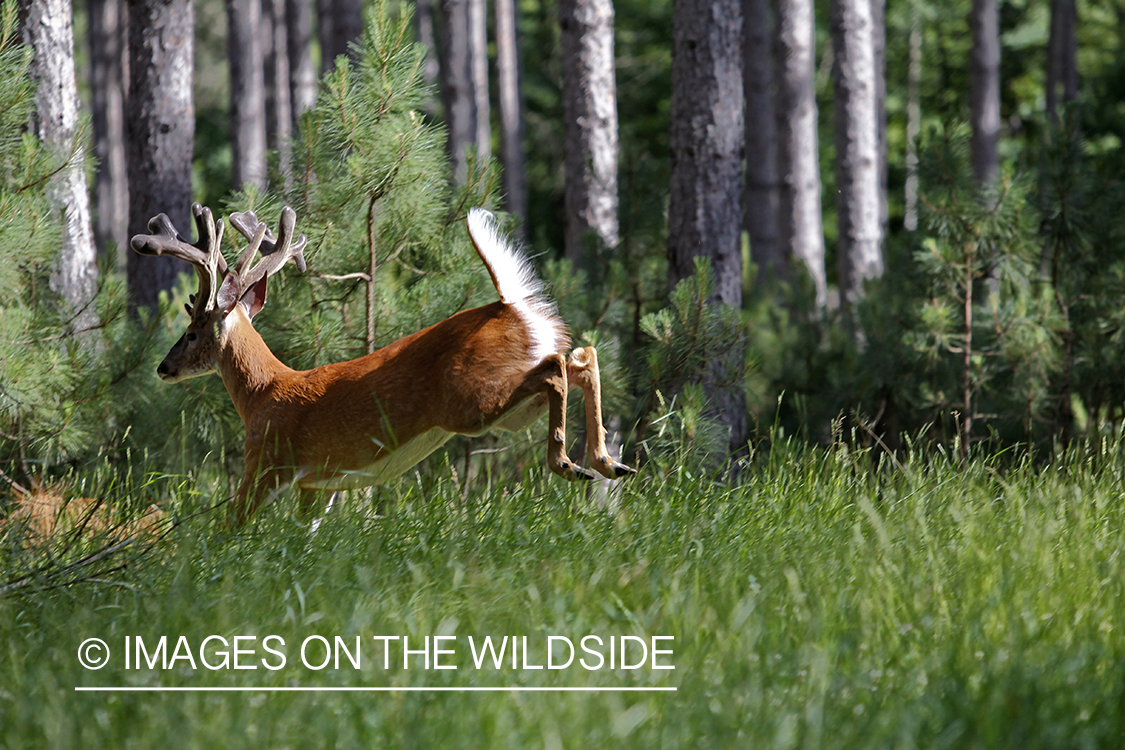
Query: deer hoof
[610,469]
[621,470]
[583,474]
[573,473]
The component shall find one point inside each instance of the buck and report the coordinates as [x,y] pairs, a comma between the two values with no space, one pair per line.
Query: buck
[353,424]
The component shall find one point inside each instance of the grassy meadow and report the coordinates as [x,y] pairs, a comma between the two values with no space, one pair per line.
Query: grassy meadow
[822,602]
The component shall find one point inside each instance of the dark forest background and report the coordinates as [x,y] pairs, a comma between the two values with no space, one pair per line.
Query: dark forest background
[893,222]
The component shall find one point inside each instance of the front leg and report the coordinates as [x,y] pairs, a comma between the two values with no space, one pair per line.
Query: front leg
[261,485]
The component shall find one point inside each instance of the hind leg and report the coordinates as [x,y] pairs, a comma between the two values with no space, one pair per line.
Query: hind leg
[550,377]
[582,371]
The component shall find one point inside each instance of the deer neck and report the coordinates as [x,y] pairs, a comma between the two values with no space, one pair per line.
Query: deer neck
[247,366]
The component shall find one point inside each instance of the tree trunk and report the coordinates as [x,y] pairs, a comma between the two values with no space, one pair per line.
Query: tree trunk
[590,118]
[1062,56]
[511,112]
[984,94]
[761,143]
[913,120]
[161,134]
[47,28]
[457,91]
[427,37]
[706,146]
[279,115]
[108,71]
[302,74]
[247,94]
[859,252]
[798,162]
[879,39]
[340,24]
[478,51]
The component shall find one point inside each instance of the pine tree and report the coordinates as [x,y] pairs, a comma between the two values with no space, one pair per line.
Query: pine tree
[858,180]
[762,189]
[108,63]
[801,232]
[589,94]
[984,93]
[160,122]
[389,253]
[245,50]
[57,398]
[48,29]
[980,347]
[706,144]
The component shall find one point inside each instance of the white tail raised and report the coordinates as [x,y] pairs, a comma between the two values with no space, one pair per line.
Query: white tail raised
[353,424]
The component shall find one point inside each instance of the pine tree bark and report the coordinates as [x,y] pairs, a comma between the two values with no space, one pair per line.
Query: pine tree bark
[278,106]
[913,120]
[706,145]
[478,50]
[858,180]
[340,22]
[302,73]
[762,199]
[160,123]
[457,91]
[108,71]
[879,39]
[511,112]
[590,119]
[427,37]
[798,161]
[247,94]
[47,27]
[984,94]
[1062,56]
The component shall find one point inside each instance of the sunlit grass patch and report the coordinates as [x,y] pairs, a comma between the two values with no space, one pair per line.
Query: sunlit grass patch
[825,601]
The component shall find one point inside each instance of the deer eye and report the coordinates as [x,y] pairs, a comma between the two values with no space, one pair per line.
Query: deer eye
[190,337]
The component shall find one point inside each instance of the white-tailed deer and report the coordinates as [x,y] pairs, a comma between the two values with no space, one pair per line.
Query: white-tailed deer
[353,424]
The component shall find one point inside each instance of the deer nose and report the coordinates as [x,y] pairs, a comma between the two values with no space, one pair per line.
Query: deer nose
[162,370]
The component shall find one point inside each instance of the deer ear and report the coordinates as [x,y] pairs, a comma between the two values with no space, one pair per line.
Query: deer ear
[227,296]
[255,298]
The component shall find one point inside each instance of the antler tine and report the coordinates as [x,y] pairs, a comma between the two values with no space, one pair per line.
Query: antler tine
[256,235]
[205,256]
[275,252]
[293,249]
[213,230]
[166,240]
[211,273]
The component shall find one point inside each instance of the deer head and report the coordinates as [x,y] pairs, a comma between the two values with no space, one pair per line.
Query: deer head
[226,297]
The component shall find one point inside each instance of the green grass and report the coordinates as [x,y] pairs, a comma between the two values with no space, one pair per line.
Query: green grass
[821,603]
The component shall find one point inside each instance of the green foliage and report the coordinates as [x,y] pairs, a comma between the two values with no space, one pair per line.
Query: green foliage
[695,348]
[983,305]
[62,391]
[995,321]
[821,603]
[372,193]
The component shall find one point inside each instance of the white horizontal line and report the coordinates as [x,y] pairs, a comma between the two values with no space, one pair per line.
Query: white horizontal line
[509,689]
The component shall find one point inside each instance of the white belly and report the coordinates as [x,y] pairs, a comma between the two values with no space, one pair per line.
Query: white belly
[414,450]
[386,468]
